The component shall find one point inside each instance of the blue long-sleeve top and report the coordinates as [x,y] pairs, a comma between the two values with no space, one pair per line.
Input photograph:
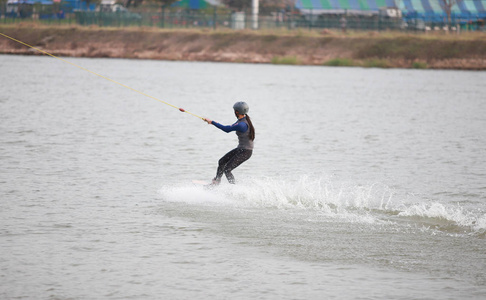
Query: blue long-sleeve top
[238,126]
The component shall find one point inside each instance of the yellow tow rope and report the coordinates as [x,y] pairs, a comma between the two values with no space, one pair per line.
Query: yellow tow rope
[104,77]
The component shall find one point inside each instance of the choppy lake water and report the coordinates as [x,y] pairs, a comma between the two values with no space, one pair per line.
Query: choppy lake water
[364,183]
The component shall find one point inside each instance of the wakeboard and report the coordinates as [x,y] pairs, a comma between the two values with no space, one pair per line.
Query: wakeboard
[205,184]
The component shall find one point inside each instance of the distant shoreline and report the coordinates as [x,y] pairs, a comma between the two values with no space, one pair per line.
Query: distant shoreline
[299,47]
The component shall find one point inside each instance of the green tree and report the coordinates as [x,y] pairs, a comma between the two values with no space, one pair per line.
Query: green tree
[165,3]
[135,3]
[239,5]
[277,4]
[3,7]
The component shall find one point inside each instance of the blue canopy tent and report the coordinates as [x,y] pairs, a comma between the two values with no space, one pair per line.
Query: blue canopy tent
[23,8]
[45,2]
[72,5]
[432,10]
[423,9]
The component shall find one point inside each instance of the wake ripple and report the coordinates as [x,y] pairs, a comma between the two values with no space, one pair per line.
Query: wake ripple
[373,203]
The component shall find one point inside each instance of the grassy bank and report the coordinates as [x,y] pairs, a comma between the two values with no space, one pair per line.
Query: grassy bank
[364,49]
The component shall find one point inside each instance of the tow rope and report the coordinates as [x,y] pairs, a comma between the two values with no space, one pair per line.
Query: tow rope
[99,75]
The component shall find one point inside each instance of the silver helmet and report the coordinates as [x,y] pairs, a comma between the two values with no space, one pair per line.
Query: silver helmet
[241,107]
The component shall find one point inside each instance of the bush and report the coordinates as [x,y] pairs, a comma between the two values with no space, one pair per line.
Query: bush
[340,62]
[419,65]
[376,63]
[285,60]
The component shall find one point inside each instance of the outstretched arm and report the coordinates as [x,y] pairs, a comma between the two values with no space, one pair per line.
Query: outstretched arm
[242,127]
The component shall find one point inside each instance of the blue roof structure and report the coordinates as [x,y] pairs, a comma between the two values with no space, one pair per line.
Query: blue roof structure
[191,4]
[427,9]
[71,5]
[43,2]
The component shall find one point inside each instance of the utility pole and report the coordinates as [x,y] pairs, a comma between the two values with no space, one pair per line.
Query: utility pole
[254,13]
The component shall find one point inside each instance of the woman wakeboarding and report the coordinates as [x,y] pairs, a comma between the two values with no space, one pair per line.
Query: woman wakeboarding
[246,135]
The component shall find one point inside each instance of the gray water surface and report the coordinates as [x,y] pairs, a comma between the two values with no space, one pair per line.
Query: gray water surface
[364,183]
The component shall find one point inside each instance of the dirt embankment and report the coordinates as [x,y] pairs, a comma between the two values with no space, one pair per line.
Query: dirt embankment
[384,49]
